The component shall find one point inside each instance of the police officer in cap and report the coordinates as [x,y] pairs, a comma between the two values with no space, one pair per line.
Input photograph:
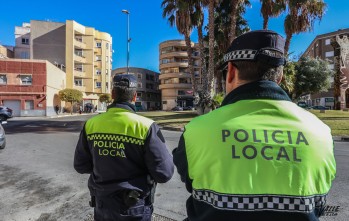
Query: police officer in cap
[125,155]
[262,156]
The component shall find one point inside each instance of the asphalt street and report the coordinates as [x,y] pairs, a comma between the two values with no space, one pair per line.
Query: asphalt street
[38,181]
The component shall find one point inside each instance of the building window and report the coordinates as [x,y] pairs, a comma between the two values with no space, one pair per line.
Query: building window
[98,72]
[164,102]
[139,85]
[329,54]
[98,44]
[139,76]
[29,105]
[327,41]
[3,79]
[106,71]
[25,41]
[107,46]
[106,85]
[98,57]
[78,82]
[98,84]
[139,94]
[26,79]
[24,55]
[106,59]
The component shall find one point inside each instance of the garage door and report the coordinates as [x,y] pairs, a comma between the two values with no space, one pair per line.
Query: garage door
[15,105]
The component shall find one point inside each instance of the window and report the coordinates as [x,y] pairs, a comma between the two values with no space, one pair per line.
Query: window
[26,79]
[106,59]
[181,92]
[98,84]
[106,71]
[29,105]
[164,102]
[24,55]
[106,85]
[98,72]
[98,57]
[139,85]
[98,44]
[107,46]
[329,54]
[139,94]
[25,41]
[327,41]
[78,82]
[139,76]
[3,79]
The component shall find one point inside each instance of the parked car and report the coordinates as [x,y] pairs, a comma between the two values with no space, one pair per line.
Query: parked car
[177,108]
[188,108]
[5,113]
[302,104]
[2,136]
[318,107]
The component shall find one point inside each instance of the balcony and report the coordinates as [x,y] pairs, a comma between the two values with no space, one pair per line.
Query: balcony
[97,64]
[174,65]
[171,54]
[175,86]
[174,75]
[97,50]
[80,73]
[78,57]
[80,88]
[79,43]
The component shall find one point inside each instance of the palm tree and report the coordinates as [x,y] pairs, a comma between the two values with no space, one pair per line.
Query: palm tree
[234,4]
[178,13]
[271,8]
[301,17]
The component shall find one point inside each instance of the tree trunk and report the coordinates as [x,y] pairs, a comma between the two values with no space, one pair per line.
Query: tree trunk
[265,23]
[190,62]
[211,46]
[287,43]
[233,14]
[202,58]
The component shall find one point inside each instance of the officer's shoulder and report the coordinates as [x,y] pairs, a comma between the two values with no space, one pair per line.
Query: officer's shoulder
[205,119]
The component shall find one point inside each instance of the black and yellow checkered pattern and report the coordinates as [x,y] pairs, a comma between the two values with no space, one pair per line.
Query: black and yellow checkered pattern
[115,137]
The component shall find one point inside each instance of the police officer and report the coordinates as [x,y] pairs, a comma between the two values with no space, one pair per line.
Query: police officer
[125,155]
[262,156]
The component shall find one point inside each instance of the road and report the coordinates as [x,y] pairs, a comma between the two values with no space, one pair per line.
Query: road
[38,182]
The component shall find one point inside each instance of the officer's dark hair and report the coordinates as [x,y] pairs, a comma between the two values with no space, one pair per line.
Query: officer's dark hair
[123,93]
[258,70]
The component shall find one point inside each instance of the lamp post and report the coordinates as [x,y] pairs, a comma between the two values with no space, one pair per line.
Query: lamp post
[128,37]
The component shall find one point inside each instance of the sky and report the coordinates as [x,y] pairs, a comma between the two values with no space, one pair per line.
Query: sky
[147,27]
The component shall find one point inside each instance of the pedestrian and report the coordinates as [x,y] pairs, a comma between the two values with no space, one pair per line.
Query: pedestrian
[125,155]
[57,109]
[259,156]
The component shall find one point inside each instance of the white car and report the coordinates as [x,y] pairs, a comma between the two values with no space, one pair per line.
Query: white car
[2,136]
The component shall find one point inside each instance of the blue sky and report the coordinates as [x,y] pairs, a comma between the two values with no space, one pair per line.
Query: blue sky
[147,27]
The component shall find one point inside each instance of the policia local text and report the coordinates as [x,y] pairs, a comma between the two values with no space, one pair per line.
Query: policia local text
[277,139]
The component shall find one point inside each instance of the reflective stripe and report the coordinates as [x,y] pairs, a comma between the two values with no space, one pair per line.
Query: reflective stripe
[260,202]
[115,137]
[240,54]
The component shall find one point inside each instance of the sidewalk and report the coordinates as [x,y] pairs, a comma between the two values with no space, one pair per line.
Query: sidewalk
[50,117]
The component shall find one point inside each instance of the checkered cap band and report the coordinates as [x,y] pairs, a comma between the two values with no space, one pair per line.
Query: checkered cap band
[240,55]
[260,202]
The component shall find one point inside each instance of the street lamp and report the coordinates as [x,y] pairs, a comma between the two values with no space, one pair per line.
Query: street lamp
[128,36]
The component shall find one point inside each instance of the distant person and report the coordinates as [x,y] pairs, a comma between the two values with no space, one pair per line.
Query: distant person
[125,155]
[57,109]
[259,156]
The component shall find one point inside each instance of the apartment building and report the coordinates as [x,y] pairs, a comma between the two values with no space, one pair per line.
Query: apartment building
[84,53]
[148,93]
[175,80]
[321,47]
[6,52]
[30,87]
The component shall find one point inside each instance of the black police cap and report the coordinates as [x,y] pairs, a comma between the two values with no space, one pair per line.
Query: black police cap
[257,46]
[125,80]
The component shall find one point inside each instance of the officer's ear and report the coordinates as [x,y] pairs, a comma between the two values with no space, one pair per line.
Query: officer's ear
[231,74]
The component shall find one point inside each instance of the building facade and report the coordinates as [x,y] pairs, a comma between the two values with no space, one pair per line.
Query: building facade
[148,93]
[84,53]
[6,52]
[30,87]
[175,80]
[321,47]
